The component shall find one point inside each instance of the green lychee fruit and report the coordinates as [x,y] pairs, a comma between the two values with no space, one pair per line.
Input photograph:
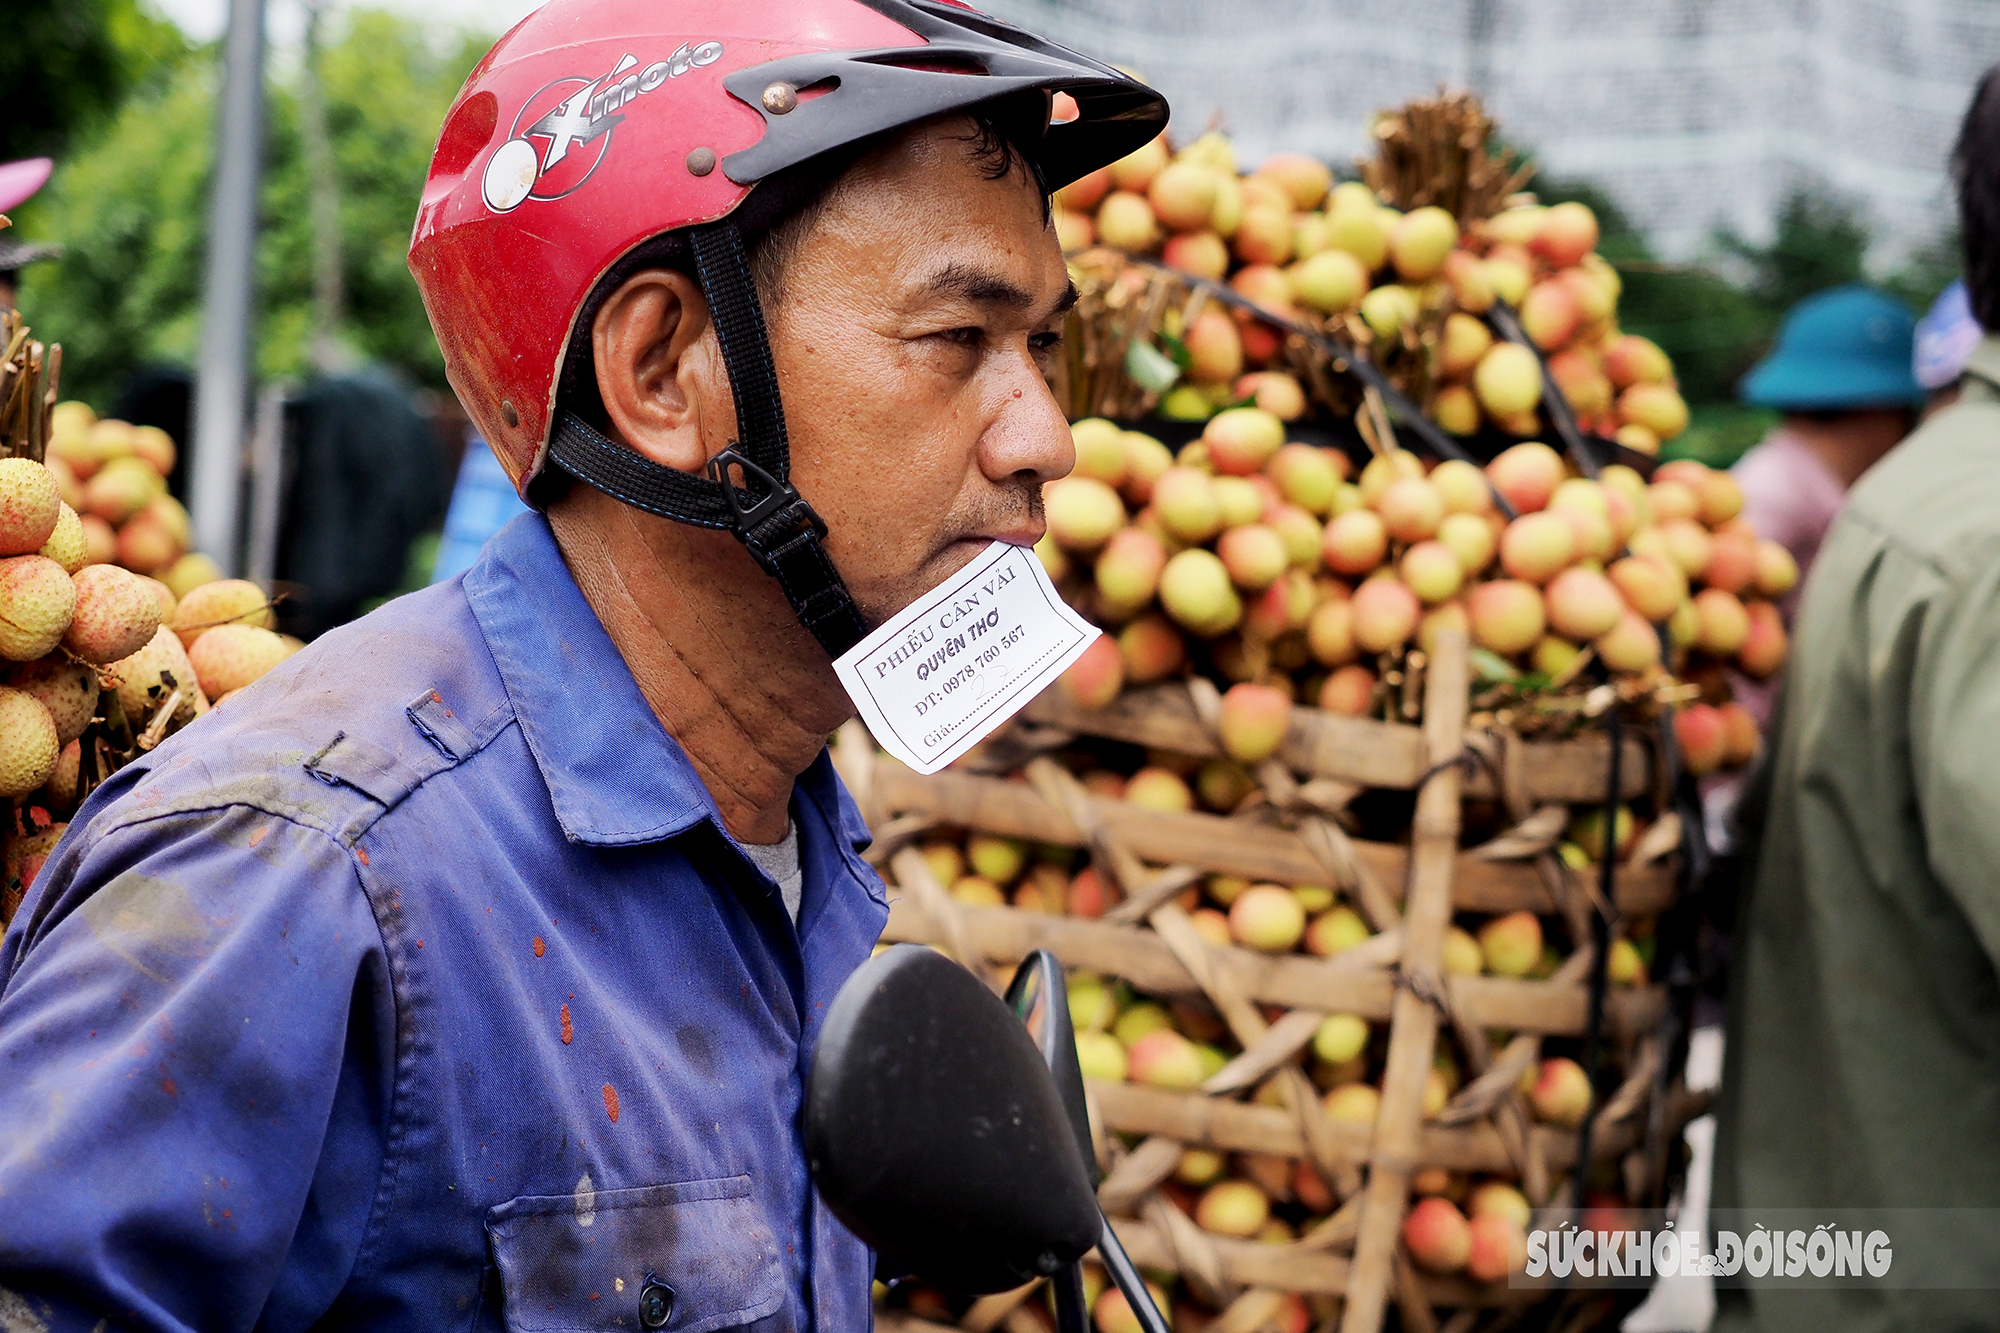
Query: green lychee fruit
[68,689]
[29,504]
[67,545]
[141,688]
[37,600]
[116,613]
[27,744]
[223,602]
[229,657]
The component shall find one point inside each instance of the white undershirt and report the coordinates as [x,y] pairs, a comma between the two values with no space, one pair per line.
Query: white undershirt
[780,860]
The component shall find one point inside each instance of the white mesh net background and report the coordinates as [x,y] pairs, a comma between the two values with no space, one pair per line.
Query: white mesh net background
[1690,112]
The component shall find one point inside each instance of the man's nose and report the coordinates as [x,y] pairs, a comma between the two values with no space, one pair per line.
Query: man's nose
[1028,434]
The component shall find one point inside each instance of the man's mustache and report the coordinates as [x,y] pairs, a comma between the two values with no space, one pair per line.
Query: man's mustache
[1019,501]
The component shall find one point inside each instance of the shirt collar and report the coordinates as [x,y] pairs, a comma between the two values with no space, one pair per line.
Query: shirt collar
[1985,360]
[614,774]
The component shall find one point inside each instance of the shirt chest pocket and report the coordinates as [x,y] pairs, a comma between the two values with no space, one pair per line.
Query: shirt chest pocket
[687,1258]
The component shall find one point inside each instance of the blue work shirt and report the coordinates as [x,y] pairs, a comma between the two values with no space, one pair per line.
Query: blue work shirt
[421,987]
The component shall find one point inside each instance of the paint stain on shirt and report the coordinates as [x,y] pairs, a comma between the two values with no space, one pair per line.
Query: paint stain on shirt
[540,948]
[147,921]
[611,1102]
[567,1033]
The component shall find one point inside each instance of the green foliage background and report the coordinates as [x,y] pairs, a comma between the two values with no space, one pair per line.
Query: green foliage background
[1715,327]
[129,206]
[67,65]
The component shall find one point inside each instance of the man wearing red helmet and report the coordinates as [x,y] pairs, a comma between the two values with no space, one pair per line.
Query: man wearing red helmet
[465,971]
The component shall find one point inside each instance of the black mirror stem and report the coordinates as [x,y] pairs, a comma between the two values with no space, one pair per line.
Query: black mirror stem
[1039,997]
[1072,1315]
[1119,1265]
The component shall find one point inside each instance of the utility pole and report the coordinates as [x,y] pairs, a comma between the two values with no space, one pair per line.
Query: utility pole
[223,383]
[328,297]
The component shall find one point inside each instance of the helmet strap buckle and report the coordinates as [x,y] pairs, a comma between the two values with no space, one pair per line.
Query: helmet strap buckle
[764,523]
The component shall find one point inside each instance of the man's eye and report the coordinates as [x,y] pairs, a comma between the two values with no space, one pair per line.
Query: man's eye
[1046,342]
[965,337]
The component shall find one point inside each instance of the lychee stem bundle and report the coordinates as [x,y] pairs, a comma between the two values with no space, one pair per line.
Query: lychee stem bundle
[1435,151]
[28,379]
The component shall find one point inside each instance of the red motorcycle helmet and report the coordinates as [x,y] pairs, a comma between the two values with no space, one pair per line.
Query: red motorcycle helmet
[596,126]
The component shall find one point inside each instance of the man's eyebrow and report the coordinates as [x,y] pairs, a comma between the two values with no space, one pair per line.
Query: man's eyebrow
[982,286]
[1066,302]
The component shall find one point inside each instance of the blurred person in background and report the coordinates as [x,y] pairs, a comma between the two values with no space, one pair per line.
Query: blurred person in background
[1863,1067]
[18,183]
[364,482]
[1841,375]
[482,501]
[1946,338]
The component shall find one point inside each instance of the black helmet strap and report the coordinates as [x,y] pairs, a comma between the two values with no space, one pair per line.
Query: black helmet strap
[765,511]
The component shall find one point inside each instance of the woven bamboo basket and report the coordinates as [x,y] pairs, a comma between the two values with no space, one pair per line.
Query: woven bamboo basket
[1347,1261]
[1450,802]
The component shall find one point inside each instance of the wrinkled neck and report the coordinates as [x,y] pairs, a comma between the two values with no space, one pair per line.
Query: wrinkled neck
[715,649]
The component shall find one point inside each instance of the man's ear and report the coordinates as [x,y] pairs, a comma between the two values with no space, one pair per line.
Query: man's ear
[657,368]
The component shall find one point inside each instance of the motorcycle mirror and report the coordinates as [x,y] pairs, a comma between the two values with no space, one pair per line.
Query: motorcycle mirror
[1038,992]
[936,1134]
[1039,997]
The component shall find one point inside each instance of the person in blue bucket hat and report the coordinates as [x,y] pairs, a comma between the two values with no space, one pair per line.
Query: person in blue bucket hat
[1848,347]
[1841,374]
[1861,1072]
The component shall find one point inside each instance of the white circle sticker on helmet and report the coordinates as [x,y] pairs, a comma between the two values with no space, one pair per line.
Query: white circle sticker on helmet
[510,174]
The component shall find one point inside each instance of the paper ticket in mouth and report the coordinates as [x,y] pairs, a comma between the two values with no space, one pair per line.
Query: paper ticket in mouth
[952,666]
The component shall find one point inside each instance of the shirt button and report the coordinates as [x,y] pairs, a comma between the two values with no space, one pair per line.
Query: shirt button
[656,1304]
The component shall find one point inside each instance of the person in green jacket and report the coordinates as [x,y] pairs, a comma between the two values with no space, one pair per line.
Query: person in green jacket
[1863,1059]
